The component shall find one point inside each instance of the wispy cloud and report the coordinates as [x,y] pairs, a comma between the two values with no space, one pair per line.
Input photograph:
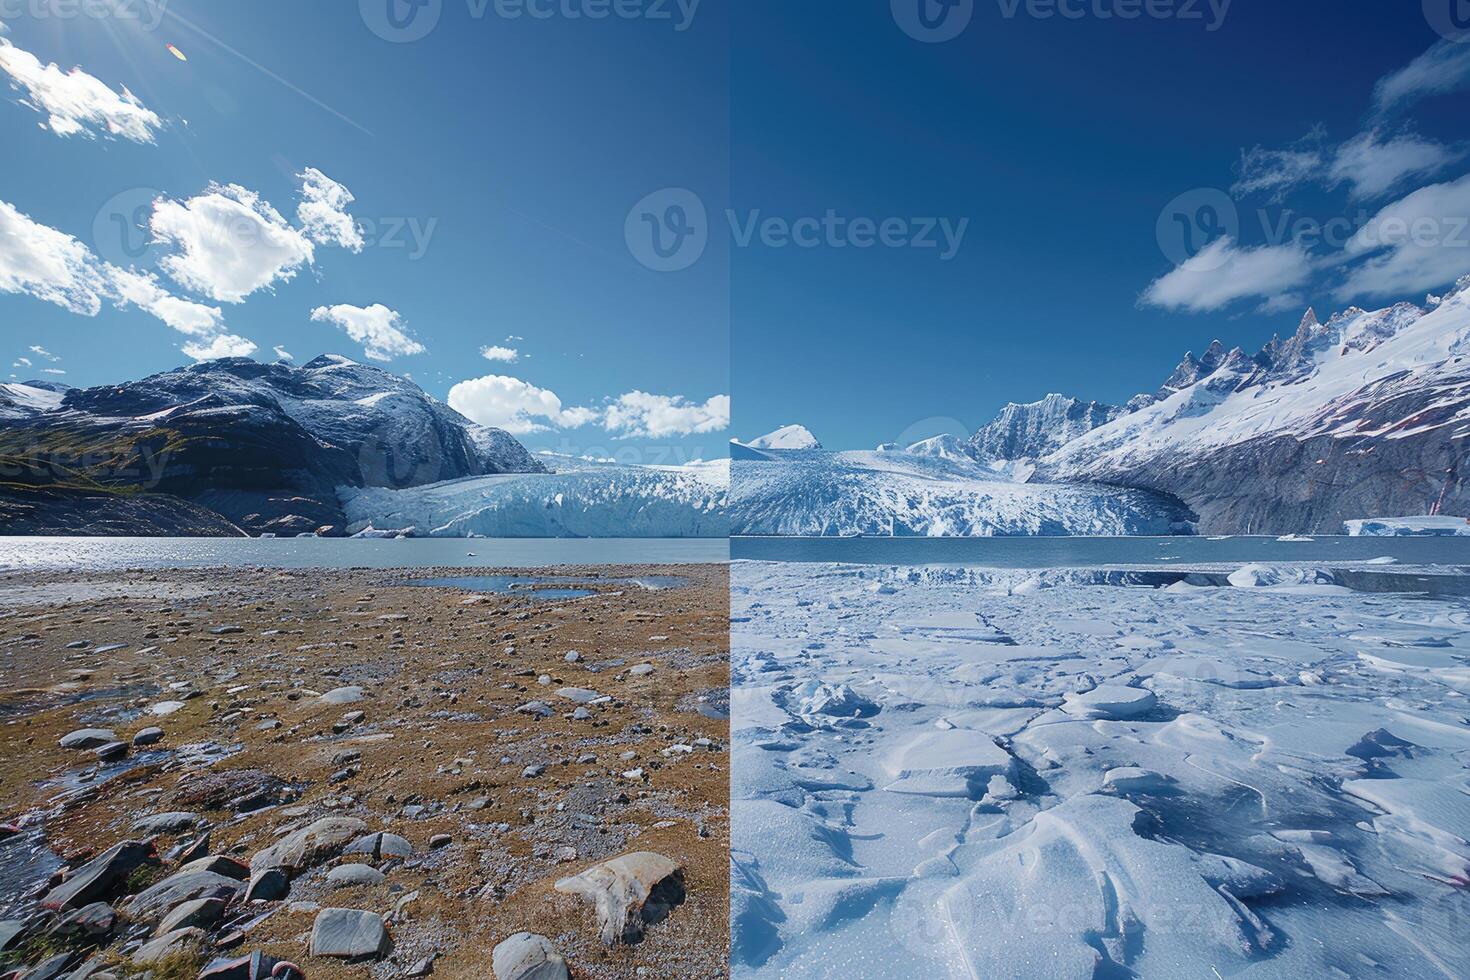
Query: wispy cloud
[1224,272]
[1421,241]
[507,354]
[1443,68]
[74,102]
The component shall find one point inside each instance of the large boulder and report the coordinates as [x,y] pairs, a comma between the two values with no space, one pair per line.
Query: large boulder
[310,845]
[348,934]
[629,893]
[527,956]
[159,899]
[99,878]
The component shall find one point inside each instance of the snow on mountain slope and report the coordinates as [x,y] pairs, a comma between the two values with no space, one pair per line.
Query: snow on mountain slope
[943,446]
[786,437]
[1038,429]
[582,499]
[19,401]
[1365,414]
[900,494]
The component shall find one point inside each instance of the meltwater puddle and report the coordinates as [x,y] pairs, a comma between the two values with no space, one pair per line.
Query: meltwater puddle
[548,588]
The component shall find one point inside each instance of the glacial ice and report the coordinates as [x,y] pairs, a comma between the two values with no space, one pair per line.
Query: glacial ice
[1095,780]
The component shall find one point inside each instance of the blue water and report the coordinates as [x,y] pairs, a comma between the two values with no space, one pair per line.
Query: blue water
[547,588]
[1089,552]
[103,554]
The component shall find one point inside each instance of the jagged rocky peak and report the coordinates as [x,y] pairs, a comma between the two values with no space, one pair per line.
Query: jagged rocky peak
[786,437]
[1037,429]
[1192,369]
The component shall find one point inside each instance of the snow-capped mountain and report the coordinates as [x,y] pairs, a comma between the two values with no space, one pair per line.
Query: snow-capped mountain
[943,446]
[581,499]
[1038,429]
[786,437]
[814,493]
[1367,413]
[29,398]
[264,445]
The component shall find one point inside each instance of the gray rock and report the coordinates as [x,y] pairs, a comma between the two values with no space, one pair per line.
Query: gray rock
[112,750]
[148,736]
[538,708]
[344,695]
[310,845]
[381,845]
[167,823]
[219,864]
[164,946]
[11,932]
[51,968]
[640,670]
[348,934]
[578,694]
[99,878]
[527,956]
[201,912]
[628,893]
[348,875]
[267,885]
[93,921]
[88,738]
[256,966]
[581,714]
[159,899]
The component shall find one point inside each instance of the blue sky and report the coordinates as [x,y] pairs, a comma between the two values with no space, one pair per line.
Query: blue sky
[1063,140]
[493,164]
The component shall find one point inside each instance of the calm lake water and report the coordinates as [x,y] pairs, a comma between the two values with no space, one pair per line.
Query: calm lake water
[1089,552]
[101,554]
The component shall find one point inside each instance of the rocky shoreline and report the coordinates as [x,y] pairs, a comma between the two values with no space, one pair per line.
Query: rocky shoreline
[334,773]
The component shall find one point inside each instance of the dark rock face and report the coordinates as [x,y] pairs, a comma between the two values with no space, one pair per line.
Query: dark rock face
[263,447]
[99,878]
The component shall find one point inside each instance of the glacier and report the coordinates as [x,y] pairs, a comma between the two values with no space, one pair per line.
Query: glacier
[581,499]
[817,493]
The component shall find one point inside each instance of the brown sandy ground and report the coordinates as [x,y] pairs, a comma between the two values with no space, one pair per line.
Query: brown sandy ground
[440,750]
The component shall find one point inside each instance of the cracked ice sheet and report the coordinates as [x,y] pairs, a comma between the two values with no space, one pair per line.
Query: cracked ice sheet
[910,799]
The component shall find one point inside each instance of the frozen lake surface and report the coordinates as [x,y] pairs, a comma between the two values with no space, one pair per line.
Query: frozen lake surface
[969,773]
[103,554]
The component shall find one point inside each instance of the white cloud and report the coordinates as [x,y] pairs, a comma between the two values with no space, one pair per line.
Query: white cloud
[223,345]
[514,405]
[507,354]
[232,242]
[1282,303]
[638,413]
[76,103]
[1224,272]
[376,327]
[22,361]
[323,211]
[1419,242]
[54,267]
[56,371]
[48,265]
[40,351]
[1443,68]
[1374,165]
[282,354]
[143,291]
[1277,172]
